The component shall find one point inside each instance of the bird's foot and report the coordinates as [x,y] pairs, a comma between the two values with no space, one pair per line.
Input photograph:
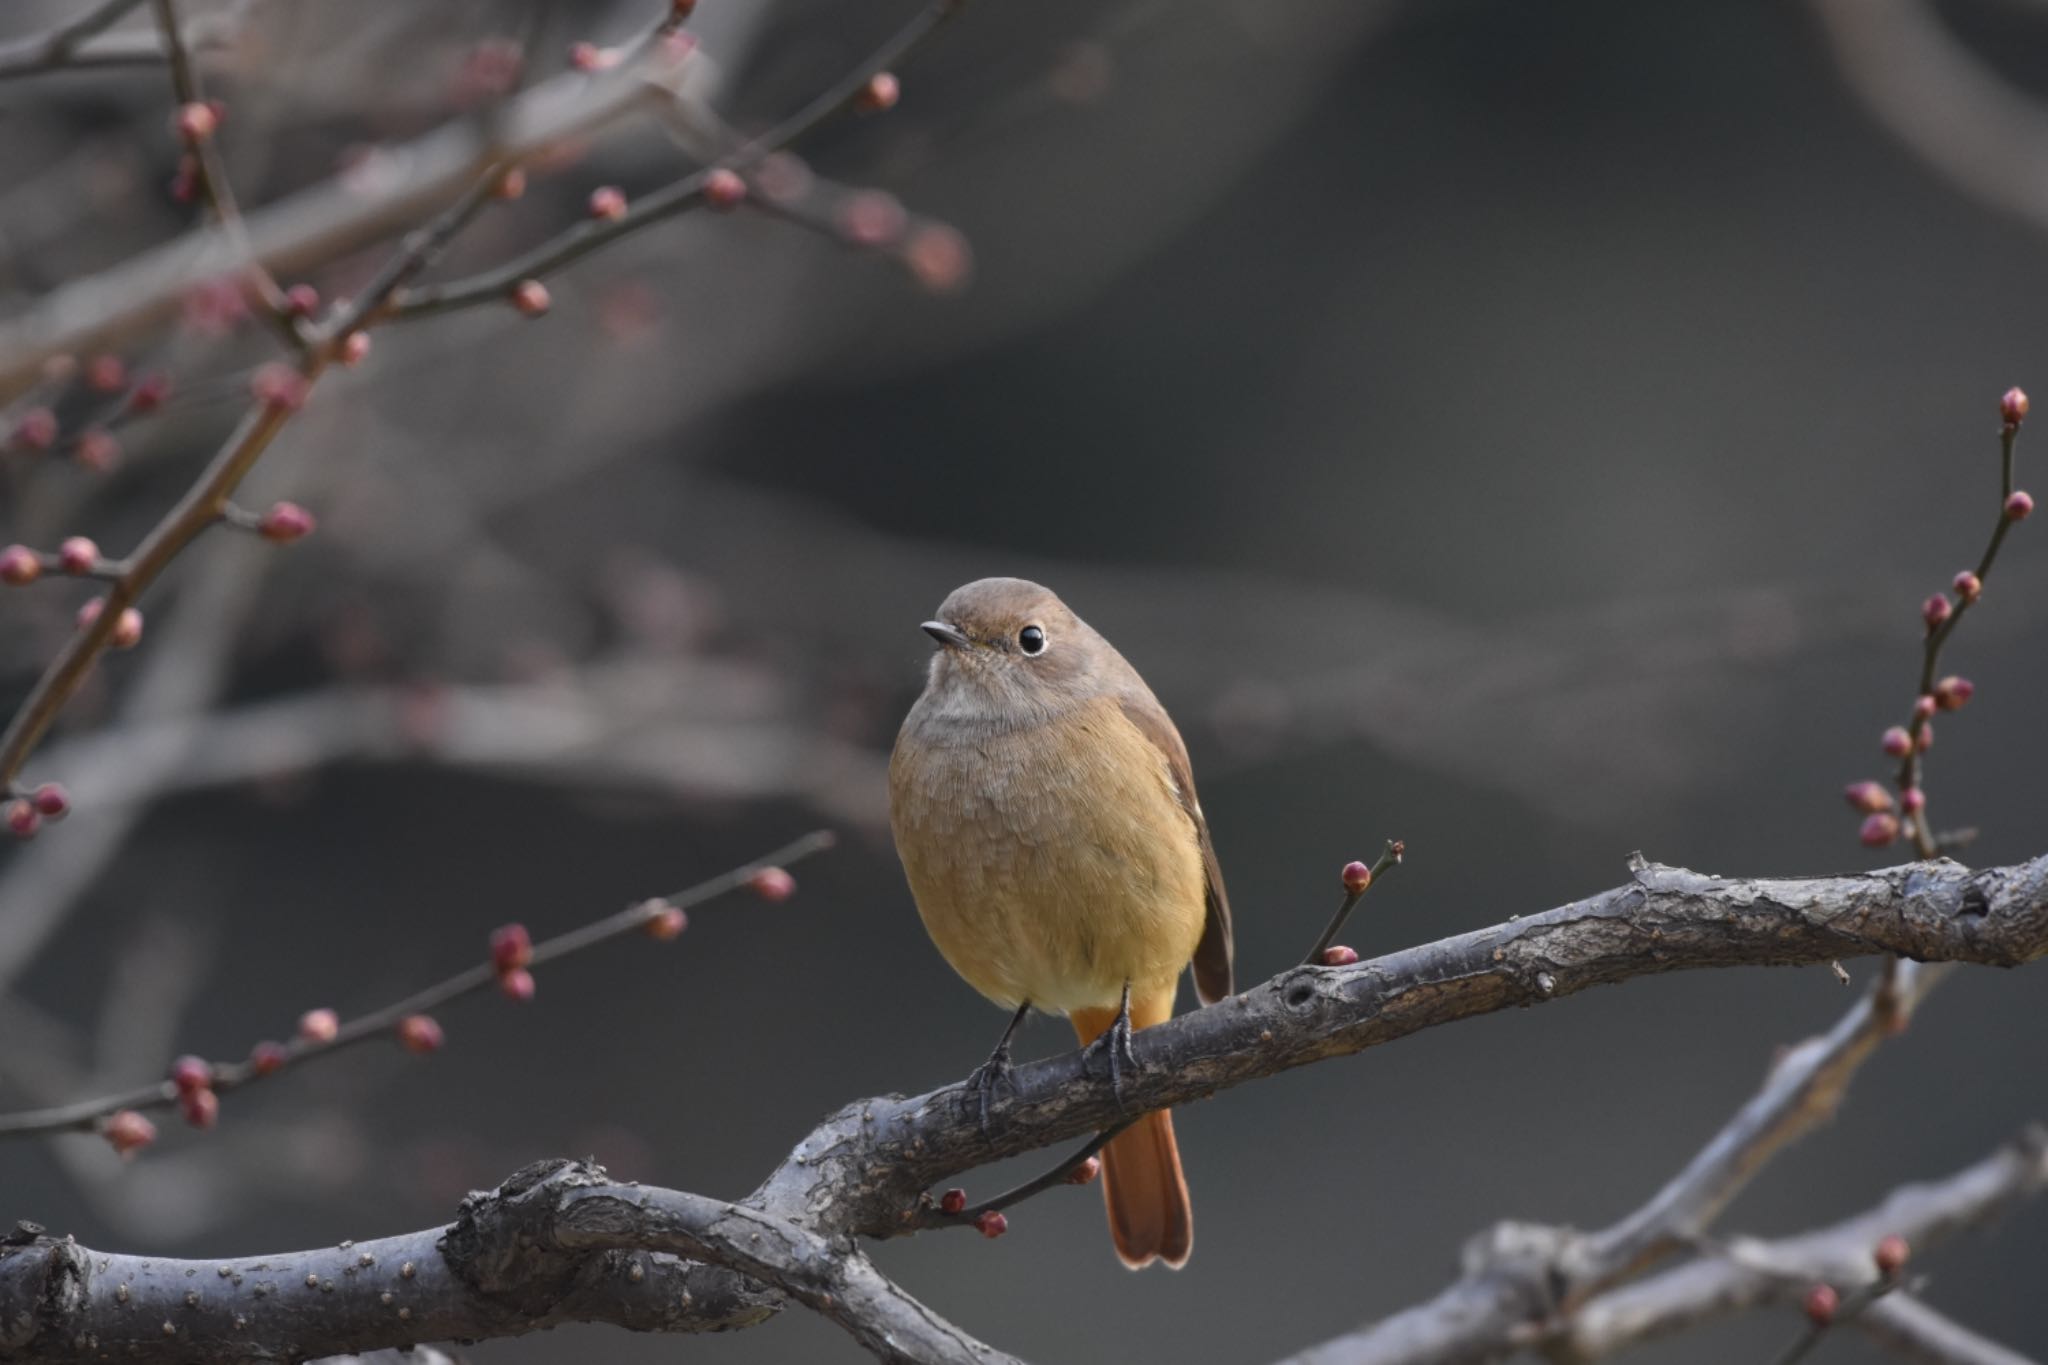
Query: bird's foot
[1114,1047]
[985,1079]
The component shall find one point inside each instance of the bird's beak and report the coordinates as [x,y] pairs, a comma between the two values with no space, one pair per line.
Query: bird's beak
[947,635]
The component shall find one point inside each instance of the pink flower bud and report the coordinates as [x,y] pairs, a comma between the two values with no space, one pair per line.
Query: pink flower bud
[2019,506]
[1912,800]
[1892,1251]
[938,256]
[196,122]
[1086,1172]
[530,297]
[420,1033]
[723,188]
[1936,610]
[1868,797]
[301,301]
[511,184]
[19,565]
[511,947]
[353,350]
[202,1108]
[516,984]
[127,631]
[106,374]
[880,93]
[1821,1303]
[1968,586]
[2013,407]
[772,884]
[97,449]
[1897,742]
[1879,830]
[279,386]
[127,1132]
[992,1224]
[77,555]
[285,522]
[1357,876]
[871,218]
[22,820]
[268,1058]
[1924,706]
[319,1026]
[191,1073]
[953,1201]
[608,203]
[52,802]
[36,430]
[149,393]
[1338,955]
[665,921]
[1951,692]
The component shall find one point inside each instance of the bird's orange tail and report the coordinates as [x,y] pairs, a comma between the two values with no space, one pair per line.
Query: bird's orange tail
[1142,1184]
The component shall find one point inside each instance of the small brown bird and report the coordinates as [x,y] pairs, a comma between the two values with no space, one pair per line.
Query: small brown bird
[1045,814]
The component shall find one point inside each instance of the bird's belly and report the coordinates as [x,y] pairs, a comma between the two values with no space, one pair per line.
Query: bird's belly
[1053,882]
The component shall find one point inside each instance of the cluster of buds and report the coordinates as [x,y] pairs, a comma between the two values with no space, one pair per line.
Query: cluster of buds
[1884,819]
[25,814]
[511,955]
[192,1077]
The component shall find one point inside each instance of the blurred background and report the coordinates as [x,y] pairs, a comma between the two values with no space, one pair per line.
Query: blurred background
[1525,429]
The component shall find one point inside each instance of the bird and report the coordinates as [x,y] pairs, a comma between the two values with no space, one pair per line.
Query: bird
[1044,810]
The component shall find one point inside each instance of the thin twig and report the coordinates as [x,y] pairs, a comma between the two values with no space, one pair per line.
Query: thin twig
[687,193]
[59,47]
[84,1115]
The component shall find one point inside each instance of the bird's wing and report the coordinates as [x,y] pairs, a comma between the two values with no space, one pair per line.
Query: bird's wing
[1213,953]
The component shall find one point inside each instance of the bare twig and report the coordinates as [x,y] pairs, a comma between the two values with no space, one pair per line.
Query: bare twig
[687,193]
[80,46]
[84,1115]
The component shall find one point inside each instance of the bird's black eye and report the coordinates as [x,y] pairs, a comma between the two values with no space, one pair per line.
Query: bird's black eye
[1031,640]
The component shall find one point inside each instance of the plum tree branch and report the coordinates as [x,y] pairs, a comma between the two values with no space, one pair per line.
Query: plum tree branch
[865,1171]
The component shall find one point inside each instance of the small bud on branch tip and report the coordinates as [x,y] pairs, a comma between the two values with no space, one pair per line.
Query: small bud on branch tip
[1086,1172]
[19,566]
[1821,1304]
[1892,1251]
[52,802]
[772,884]
[1936,610]
[1897,742]
[420,1033]
[879,94]
[286,522]
[267,1058]
[992,1224]
[78,555]
[1357,877]
[511,947]
[608,203]
[2013,407]
[1968,586]
[22,820]
[1867,797]
[2019,506]
[1339,955]
[196,122]
[953,1201]
[723,188]
[190,1074]
[353,350]
[319,1026]
[127,1132]
[1879,830]
[511,184]
[301,301]
[279,386]
[665,921]
[517,984]
[1952,692]
[1912,800]
[530,297]
[201,1108]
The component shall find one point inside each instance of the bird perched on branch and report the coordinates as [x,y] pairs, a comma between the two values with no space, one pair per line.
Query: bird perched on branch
[1045,813]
